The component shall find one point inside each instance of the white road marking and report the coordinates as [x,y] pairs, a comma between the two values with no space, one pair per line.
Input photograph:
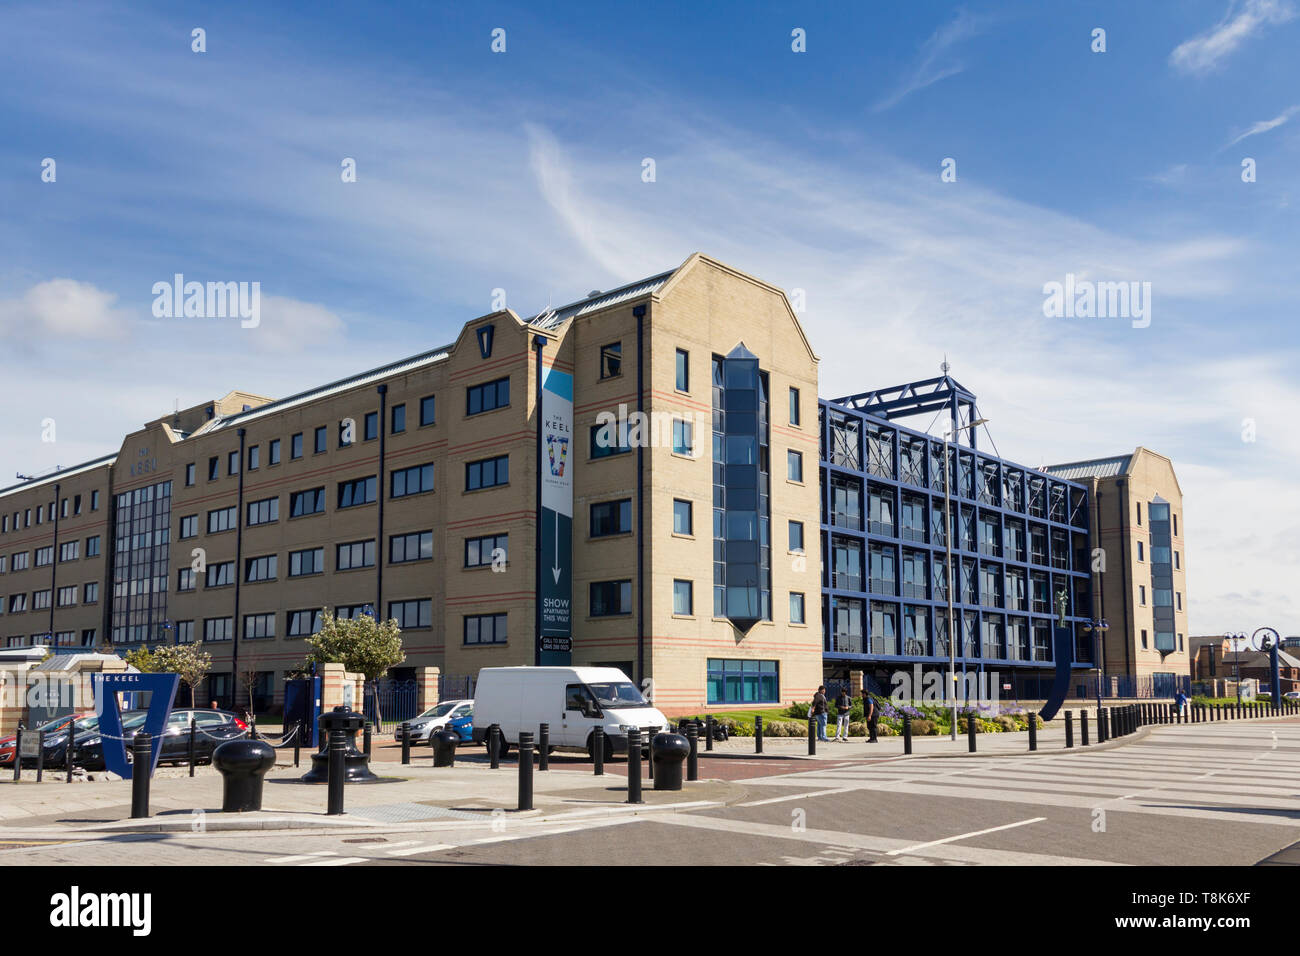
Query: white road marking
[301,856]
[797,796]
[337,861]
[422,848]
[964,836]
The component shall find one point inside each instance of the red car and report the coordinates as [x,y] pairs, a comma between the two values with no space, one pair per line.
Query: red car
[7,744]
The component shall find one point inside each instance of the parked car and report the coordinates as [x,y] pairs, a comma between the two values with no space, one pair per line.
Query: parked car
[214,728]
[56,739]
[1292,695]
[456,714]
[573,700]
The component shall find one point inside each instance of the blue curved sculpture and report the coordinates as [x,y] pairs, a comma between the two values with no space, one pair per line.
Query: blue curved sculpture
[1064,646]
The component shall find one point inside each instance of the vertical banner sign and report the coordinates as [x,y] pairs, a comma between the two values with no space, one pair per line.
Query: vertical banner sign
[555,551]
[162,694]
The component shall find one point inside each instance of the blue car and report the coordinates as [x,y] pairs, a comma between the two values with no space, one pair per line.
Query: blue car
[456,714]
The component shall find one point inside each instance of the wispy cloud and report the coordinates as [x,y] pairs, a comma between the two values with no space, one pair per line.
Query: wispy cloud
[1204,52]
[61,309]
[1263,126]
[936,61]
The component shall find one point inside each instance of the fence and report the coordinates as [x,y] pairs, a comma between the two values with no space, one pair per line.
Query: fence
[389,702]
[455,687]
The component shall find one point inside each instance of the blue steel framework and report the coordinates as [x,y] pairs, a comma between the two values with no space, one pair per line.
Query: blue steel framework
[1020,542]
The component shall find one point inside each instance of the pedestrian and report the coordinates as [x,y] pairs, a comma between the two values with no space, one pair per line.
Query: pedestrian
[1181,702]
[818,710]
[871,714]
[843,705]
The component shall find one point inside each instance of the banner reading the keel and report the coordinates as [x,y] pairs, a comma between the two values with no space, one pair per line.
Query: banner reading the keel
[555,553]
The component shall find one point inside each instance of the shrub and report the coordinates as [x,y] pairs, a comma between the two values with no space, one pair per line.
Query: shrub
[923,728]
[857,728]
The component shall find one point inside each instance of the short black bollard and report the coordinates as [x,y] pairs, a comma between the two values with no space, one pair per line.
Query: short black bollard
[242,765]
[758,733]
[297,744]
[71,755]
[337,773]
[366,735]
[494,746]
[443,743]
[191,752]
[598,751]
[405,732]
[812,736]
[1102,725]
[141,764]
[907,733]
[708,732]
[525,770]
[972,728]
[1069,730]
[543,747]
[1083,728]
[651,732]
[40,755]
[667,751]
[634,766]
[1033,731]
[693,753]
[18,753]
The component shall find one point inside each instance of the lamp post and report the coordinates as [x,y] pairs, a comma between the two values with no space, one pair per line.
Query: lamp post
[1098,630]
[949,435]
[1237,638]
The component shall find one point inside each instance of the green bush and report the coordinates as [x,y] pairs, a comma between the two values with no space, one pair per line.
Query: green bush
[857,728]
[923,728]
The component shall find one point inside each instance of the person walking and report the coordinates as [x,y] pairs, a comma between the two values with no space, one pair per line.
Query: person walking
[843,705]
[1181,701]
[818,710]
[871,714]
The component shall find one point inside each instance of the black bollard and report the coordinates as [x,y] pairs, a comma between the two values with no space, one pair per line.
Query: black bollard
[543,747]
[242,765]
[708,732]
[366,735]
[598,751]
[405,732]
[634,766]
[141,764]
[651,732]
[812,736]
[192,752]
[40,755]
[1033,731]
[338,755]
[18,753]
[668,750]
[494,746]
[907,733]
[70,760]
[525,770]
[1083,728]
[693,754]
[1101,725]
[972,728]
[297,743]
[1069,730]
[758,733]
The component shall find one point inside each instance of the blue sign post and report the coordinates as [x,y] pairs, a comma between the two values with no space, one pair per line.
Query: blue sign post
[162,690]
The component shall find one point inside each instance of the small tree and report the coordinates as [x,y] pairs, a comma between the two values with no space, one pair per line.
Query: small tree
[189,661]
[361,644]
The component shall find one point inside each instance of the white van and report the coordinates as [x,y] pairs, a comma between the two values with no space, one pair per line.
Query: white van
[572,700]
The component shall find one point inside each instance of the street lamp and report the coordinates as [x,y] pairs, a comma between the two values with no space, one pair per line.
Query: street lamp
[949,435]
[1098,630]
[1237,638]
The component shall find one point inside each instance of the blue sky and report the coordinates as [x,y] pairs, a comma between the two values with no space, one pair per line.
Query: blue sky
[816,171]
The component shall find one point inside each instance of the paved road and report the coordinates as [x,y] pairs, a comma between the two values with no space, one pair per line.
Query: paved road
[1209,793]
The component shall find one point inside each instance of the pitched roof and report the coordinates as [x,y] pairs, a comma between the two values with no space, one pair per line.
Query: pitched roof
[1093,468]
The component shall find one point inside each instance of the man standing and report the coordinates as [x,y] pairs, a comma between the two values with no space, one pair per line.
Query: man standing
[818,710]
[843,704]
[870,715]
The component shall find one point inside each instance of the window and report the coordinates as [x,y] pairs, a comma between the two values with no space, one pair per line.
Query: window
[683,597]
[411,481]
[295,446]
[254,457]
[232,463]
[218,628]
[21,561]
[1139,510]
[355,554]
[487,473]
[683,516]
[310,502]
[185,579]
[305,562]
[743,682]
[397,419]
[358,491]
[189,526]
[683,370]
[185,632]
[17,603]
[796,535]
[189,474]
[260,569]
[370,427]
[221,519]
[482,552]
[611,360]
[416,546]
[683,437]
[214,468]
[321,440]
[70,551]
[273,452]
[94,501]
[1177,566]
[794,406]
[610,439]
[220,575]
[409,614]
[794,465]
[485,397]
[1178,595]
[259,627]
[264,511]
[1144,640]
[1141,552]
[485,629]
[302,623]
[90,592]
[609,598]
[1142,595]
[796,608]
[67,596]
[427,410]
[613,517]
[44,556]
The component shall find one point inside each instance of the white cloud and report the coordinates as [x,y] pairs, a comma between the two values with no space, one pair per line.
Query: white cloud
[1205,52]
[1263,126]
[64,309]
[289,325]
[935,61]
